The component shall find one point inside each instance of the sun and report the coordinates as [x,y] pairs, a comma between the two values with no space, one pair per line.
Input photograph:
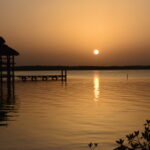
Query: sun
[96,52]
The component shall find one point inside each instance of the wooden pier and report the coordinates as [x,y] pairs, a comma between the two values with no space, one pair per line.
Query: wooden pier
[60,77]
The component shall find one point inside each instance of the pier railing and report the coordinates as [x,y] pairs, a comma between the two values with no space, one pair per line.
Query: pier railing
[55,77]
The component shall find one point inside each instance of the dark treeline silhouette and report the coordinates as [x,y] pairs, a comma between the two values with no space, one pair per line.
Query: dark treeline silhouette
[36,68]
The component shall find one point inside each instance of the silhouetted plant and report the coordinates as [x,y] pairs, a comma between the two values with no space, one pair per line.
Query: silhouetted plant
[92,146]
[136,140]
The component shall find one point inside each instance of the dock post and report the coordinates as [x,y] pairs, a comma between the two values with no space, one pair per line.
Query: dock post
[42,78]
[65,74]
[32,78]
[24,78]
[62,74]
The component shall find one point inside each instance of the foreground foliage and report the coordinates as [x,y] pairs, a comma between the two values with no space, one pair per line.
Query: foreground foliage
[92,146]
[134,141]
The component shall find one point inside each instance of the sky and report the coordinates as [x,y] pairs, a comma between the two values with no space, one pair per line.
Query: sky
[65,32]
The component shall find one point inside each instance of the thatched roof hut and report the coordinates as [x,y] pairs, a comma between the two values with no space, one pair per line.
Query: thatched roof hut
[6,50]
[7,67]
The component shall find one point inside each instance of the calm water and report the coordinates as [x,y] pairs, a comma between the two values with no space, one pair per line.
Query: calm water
[93,106]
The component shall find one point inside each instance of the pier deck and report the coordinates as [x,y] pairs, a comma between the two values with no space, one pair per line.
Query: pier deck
[36,77]
[62,76]
[42,77]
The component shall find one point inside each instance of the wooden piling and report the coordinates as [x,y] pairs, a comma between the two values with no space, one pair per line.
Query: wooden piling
[62,73]
[1,76]
[65,74]
[13,74]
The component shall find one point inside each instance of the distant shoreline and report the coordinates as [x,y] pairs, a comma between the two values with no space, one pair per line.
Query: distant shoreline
[44,68]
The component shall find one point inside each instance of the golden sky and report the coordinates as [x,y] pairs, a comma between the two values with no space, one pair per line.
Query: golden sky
[65,32]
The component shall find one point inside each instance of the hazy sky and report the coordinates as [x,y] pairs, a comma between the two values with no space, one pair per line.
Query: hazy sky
[65,32]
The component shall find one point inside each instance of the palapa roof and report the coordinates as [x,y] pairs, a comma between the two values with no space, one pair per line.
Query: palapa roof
[6,50]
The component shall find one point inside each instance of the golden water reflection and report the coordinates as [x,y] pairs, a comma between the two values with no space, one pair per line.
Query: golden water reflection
[96,81]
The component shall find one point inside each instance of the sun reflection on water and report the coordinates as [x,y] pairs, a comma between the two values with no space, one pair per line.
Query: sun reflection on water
[96,88]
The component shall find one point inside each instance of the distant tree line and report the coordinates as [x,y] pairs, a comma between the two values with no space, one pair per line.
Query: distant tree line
[34,68]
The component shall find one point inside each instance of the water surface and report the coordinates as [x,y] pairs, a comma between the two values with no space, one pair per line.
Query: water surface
[92,106]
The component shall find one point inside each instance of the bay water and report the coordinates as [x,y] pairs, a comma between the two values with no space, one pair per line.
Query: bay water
[92,106]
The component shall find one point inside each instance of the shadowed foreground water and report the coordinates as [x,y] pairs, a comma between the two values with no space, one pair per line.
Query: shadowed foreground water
[93,106]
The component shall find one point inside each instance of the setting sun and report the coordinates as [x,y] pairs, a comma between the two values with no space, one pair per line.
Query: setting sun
[96,52]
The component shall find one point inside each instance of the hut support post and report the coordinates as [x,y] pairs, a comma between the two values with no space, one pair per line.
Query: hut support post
[1,76]
[8,75]
[13,74]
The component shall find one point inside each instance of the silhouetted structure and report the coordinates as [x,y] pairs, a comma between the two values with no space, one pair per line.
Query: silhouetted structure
[62,77]
[7,63]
